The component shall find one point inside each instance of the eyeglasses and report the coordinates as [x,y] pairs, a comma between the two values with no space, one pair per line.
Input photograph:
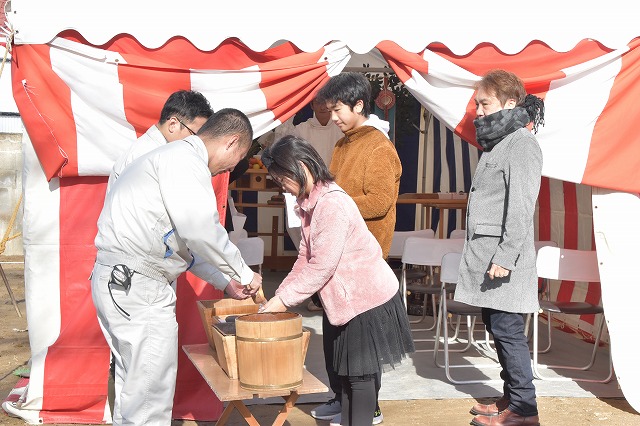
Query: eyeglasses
[185,126]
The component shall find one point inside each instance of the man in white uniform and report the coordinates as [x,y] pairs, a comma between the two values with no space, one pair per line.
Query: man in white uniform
[158,214]
[184,112]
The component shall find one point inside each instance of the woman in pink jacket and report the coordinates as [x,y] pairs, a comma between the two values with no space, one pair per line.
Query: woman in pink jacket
[341,260]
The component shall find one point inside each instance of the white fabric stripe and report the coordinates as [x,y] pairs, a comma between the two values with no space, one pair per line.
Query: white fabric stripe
[617,237]
[445,91]
[572,107]
[241,89]
[41,229]
[556,205]
[98,108]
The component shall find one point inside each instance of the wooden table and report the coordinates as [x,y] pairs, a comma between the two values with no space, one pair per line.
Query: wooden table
[229,390]
[436,203]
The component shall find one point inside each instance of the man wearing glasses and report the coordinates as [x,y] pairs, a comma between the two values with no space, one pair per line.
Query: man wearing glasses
[182,115]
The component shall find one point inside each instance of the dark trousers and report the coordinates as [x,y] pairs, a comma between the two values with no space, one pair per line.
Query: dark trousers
[358,400]
[512,348]
[329,335]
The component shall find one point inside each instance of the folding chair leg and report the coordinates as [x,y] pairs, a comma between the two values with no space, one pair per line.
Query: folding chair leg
[536,366]
[447,365]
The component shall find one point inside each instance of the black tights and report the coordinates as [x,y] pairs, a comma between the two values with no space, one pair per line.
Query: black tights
[329,334]
[358,400]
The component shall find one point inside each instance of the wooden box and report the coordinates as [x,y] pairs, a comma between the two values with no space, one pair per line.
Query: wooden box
[257,178]
[224,346]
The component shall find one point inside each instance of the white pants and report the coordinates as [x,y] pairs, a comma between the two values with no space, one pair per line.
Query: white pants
[144,346]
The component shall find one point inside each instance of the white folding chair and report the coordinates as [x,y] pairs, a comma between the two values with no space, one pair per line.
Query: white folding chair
[395,253]
[538,245]
[560,264]
[450,265]
[458,233]
[427,253]
[237,219]
[236,236]
[399,237]
[252,250]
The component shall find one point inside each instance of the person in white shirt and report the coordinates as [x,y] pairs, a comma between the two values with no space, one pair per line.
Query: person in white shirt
[319,130]
[182,115]
[158,214]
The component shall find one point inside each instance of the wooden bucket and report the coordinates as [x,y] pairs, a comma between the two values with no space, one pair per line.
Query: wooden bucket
[269,348]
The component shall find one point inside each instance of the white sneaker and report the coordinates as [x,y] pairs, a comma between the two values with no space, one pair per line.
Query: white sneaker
[377,417]
[327,411]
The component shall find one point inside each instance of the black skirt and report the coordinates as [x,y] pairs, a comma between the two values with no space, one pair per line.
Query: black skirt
[373,341]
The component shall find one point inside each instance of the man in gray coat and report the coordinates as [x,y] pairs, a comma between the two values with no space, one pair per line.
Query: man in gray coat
[498,267]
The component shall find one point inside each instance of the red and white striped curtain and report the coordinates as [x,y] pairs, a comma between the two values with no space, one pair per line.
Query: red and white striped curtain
[83,105]
[590,92]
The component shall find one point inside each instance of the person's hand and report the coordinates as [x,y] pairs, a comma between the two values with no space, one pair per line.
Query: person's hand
[497,271]
[235,290]
[273,305]
[255,284]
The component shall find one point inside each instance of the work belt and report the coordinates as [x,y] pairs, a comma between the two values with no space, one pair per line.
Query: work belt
[137,265]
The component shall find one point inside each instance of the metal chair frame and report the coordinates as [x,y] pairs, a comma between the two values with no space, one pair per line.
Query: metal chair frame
[449,277]
[555,263]
[426,253]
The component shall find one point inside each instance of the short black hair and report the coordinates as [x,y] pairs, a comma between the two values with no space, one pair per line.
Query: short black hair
[186,105]
[228,121]
[283,158]
[348,88]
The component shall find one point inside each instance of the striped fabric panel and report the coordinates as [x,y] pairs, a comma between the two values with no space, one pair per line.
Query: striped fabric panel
[80,129]
[449,166]
[589,94]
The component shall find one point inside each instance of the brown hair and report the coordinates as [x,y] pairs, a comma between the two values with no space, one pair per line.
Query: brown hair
[505,85]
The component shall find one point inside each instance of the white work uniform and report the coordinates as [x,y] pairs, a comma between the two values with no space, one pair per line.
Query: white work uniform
[153,138]
[158,214]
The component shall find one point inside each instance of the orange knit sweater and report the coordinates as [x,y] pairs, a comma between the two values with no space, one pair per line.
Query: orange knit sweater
[366,165]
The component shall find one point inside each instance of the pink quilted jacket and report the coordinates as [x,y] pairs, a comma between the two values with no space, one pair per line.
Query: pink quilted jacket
[339,258]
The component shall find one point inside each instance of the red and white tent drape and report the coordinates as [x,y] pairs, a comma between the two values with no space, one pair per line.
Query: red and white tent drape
[82,105]
[590,92]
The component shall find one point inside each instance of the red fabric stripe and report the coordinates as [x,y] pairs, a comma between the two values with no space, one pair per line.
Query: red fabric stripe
[145,91]
[570,215]
[77,364]
[402,62]
[570,234]
[544,211]
[614,155]
[50,124]
[194,399]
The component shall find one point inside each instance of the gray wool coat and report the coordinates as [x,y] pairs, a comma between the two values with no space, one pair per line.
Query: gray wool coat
[499,227]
